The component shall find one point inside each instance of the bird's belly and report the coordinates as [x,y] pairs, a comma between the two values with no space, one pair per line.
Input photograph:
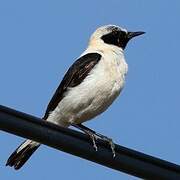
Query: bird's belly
[89,99]
[98,104]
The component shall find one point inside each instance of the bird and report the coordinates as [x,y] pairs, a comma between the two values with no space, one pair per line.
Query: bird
[88,88]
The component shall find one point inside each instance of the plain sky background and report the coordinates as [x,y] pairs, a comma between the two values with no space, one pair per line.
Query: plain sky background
[40,39]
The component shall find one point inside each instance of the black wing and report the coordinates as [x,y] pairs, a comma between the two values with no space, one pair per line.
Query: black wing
[73,77]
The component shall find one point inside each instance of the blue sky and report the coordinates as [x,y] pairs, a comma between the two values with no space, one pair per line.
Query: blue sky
[39,40]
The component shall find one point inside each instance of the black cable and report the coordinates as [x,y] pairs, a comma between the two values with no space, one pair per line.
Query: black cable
[78,144]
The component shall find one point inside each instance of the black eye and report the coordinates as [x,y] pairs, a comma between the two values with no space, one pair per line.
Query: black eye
[117,38]
[111,38]
[115,32]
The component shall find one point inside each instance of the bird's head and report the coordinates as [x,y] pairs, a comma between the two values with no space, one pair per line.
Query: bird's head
[113,35]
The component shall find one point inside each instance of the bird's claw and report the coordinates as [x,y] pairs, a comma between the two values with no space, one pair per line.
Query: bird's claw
[93,138]
[112,147]
[111,143]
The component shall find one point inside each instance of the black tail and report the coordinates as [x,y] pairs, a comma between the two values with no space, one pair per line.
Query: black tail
[22,154]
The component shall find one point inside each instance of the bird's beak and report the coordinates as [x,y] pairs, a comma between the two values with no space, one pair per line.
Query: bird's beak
[134,34]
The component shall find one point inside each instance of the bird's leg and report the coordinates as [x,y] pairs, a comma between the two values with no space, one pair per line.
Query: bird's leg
[110,141]
[89,132]
[97,135]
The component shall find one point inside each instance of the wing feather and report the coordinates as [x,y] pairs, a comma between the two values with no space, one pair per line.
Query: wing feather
[73,77]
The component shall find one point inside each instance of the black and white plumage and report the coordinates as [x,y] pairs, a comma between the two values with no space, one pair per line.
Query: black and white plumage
[88,88]
[74,76]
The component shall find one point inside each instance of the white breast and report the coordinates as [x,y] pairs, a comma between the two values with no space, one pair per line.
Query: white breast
[95,94]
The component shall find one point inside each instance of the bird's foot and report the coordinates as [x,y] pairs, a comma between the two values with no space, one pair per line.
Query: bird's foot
[112,145]
[110,141]
[93,137]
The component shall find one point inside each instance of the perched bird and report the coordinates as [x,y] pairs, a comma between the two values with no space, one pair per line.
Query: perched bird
[88,88]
